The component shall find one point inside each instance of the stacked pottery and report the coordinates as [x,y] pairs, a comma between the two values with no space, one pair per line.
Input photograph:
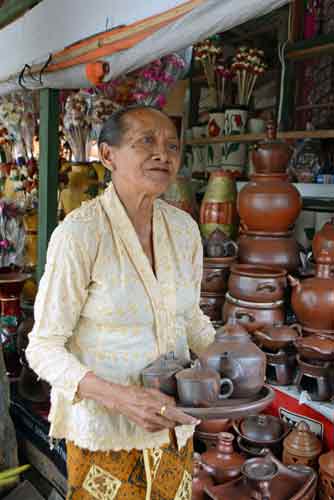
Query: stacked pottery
[255,296]
[268,207]
[313,303]
[220,253]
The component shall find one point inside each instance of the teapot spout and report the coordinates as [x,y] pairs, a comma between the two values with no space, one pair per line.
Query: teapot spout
[294,282]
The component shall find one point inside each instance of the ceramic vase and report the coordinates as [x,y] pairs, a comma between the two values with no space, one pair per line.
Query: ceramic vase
[234,153]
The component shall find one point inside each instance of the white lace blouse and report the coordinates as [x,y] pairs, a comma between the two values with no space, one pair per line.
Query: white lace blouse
[101,308]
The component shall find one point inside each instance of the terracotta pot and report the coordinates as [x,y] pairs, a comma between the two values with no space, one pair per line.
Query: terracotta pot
[161,374]
[277,337]
[215,274]
[235,356]
[180,195]
[323,244]
[280,251]
[257,283]
[200,386]
[211,304]
[313,299]
[201,479]
[326,476]
[263,481]
[301,446]
[269,203]
[218,207]
[222,462]
[315,348]
[214,426]
[271,155]
[253,315]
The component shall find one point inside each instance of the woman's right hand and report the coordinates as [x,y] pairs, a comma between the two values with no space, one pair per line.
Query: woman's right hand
[143,407]
[140,405]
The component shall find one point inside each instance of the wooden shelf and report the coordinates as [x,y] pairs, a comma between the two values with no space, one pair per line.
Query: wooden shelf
[293,135]
[304,49]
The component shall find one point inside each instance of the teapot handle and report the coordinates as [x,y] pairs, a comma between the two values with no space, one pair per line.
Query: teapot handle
[235,247]
[298,328]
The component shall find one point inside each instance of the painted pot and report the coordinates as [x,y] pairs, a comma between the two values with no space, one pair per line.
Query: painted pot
[274,250]
[180,195]
[234,153]
[218,207]
[257,283]
[313,299]
[269,203]
[216,124]
[215,274]
[253,315]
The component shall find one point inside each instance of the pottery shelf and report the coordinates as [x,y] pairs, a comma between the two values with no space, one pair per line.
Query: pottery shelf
[293,135]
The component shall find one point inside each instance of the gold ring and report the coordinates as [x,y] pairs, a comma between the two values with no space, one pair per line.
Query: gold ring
[163,410]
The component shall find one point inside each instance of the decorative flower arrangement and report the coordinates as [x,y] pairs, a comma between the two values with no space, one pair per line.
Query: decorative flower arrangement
[76,122]
[12,234]
[101,109]
[207,52]
[248,64]
[224,76]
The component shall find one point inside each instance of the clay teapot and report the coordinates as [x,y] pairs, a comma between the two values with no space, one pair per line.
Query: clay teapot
[201,479]
[271,155]
[218,244]
[323,244]
[277,337]
[269,203]
[161,374]
[235,356]
[222,462]
[313,299]
[301,446]
[202,386]
[261,430]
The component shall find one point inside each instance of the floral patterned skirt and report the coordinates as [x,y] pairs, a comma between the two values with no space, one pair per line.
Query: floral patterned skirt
[158,473]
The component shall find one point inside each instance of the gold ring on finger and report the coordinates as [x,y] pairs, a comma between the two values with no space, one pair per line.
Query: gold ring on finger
[163,410]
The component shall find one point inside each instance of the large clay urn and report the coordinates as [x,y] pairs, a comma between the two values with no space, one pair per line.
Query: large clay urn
[269,203]
[313,299]
[323,244]
[235,356]
[222,462]
[271,155]
[218,207]
[269,249]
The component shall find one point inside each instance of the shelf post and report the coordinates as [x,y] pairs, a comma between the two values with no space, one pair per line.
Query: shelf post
[48,172]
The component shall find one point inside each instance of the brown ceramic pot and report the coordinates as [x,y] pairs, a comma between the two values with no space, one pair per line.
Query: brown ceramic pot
[211,304]
[269,203]
[215,274]
[214,426]
[161,374]
[201,479]
[313,299]
[257,283]
[222,462]
[315,348]
[277,337]
[253,315]
[301,446]
[235,356]
[263,481]
[271,155]
[323,244]
[326,476]
[261,430]
[273,250]
[218,207]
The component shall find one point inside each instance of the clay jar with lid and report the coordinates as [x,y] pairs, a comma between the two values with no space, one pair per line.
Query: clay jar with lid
[323,244]
[301,446]
[313,299]
[269,203]
[235,356]
[326,476]
[271,155]
[257,283]
[223,462]
[269,249]
[201,479]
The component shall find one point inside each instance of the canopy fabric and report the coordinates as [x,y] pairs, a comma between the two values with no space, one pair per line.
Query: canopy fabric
[206,19]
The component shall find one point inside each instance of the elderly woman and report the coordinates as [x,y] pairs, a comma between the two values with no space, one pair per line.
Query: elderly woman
[121,287]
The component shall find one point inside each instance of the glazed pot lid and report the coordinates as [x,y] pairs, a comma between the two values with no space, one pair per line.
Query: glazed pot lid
[254,305]
[164,365]
[259,469]
[258,272]
[197,373]
[233,328]
[261,428]
[283,333]
[301,441]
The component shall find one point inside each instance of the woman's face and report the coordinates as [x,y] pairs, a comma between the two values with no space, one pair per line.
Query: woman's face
[148,158]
